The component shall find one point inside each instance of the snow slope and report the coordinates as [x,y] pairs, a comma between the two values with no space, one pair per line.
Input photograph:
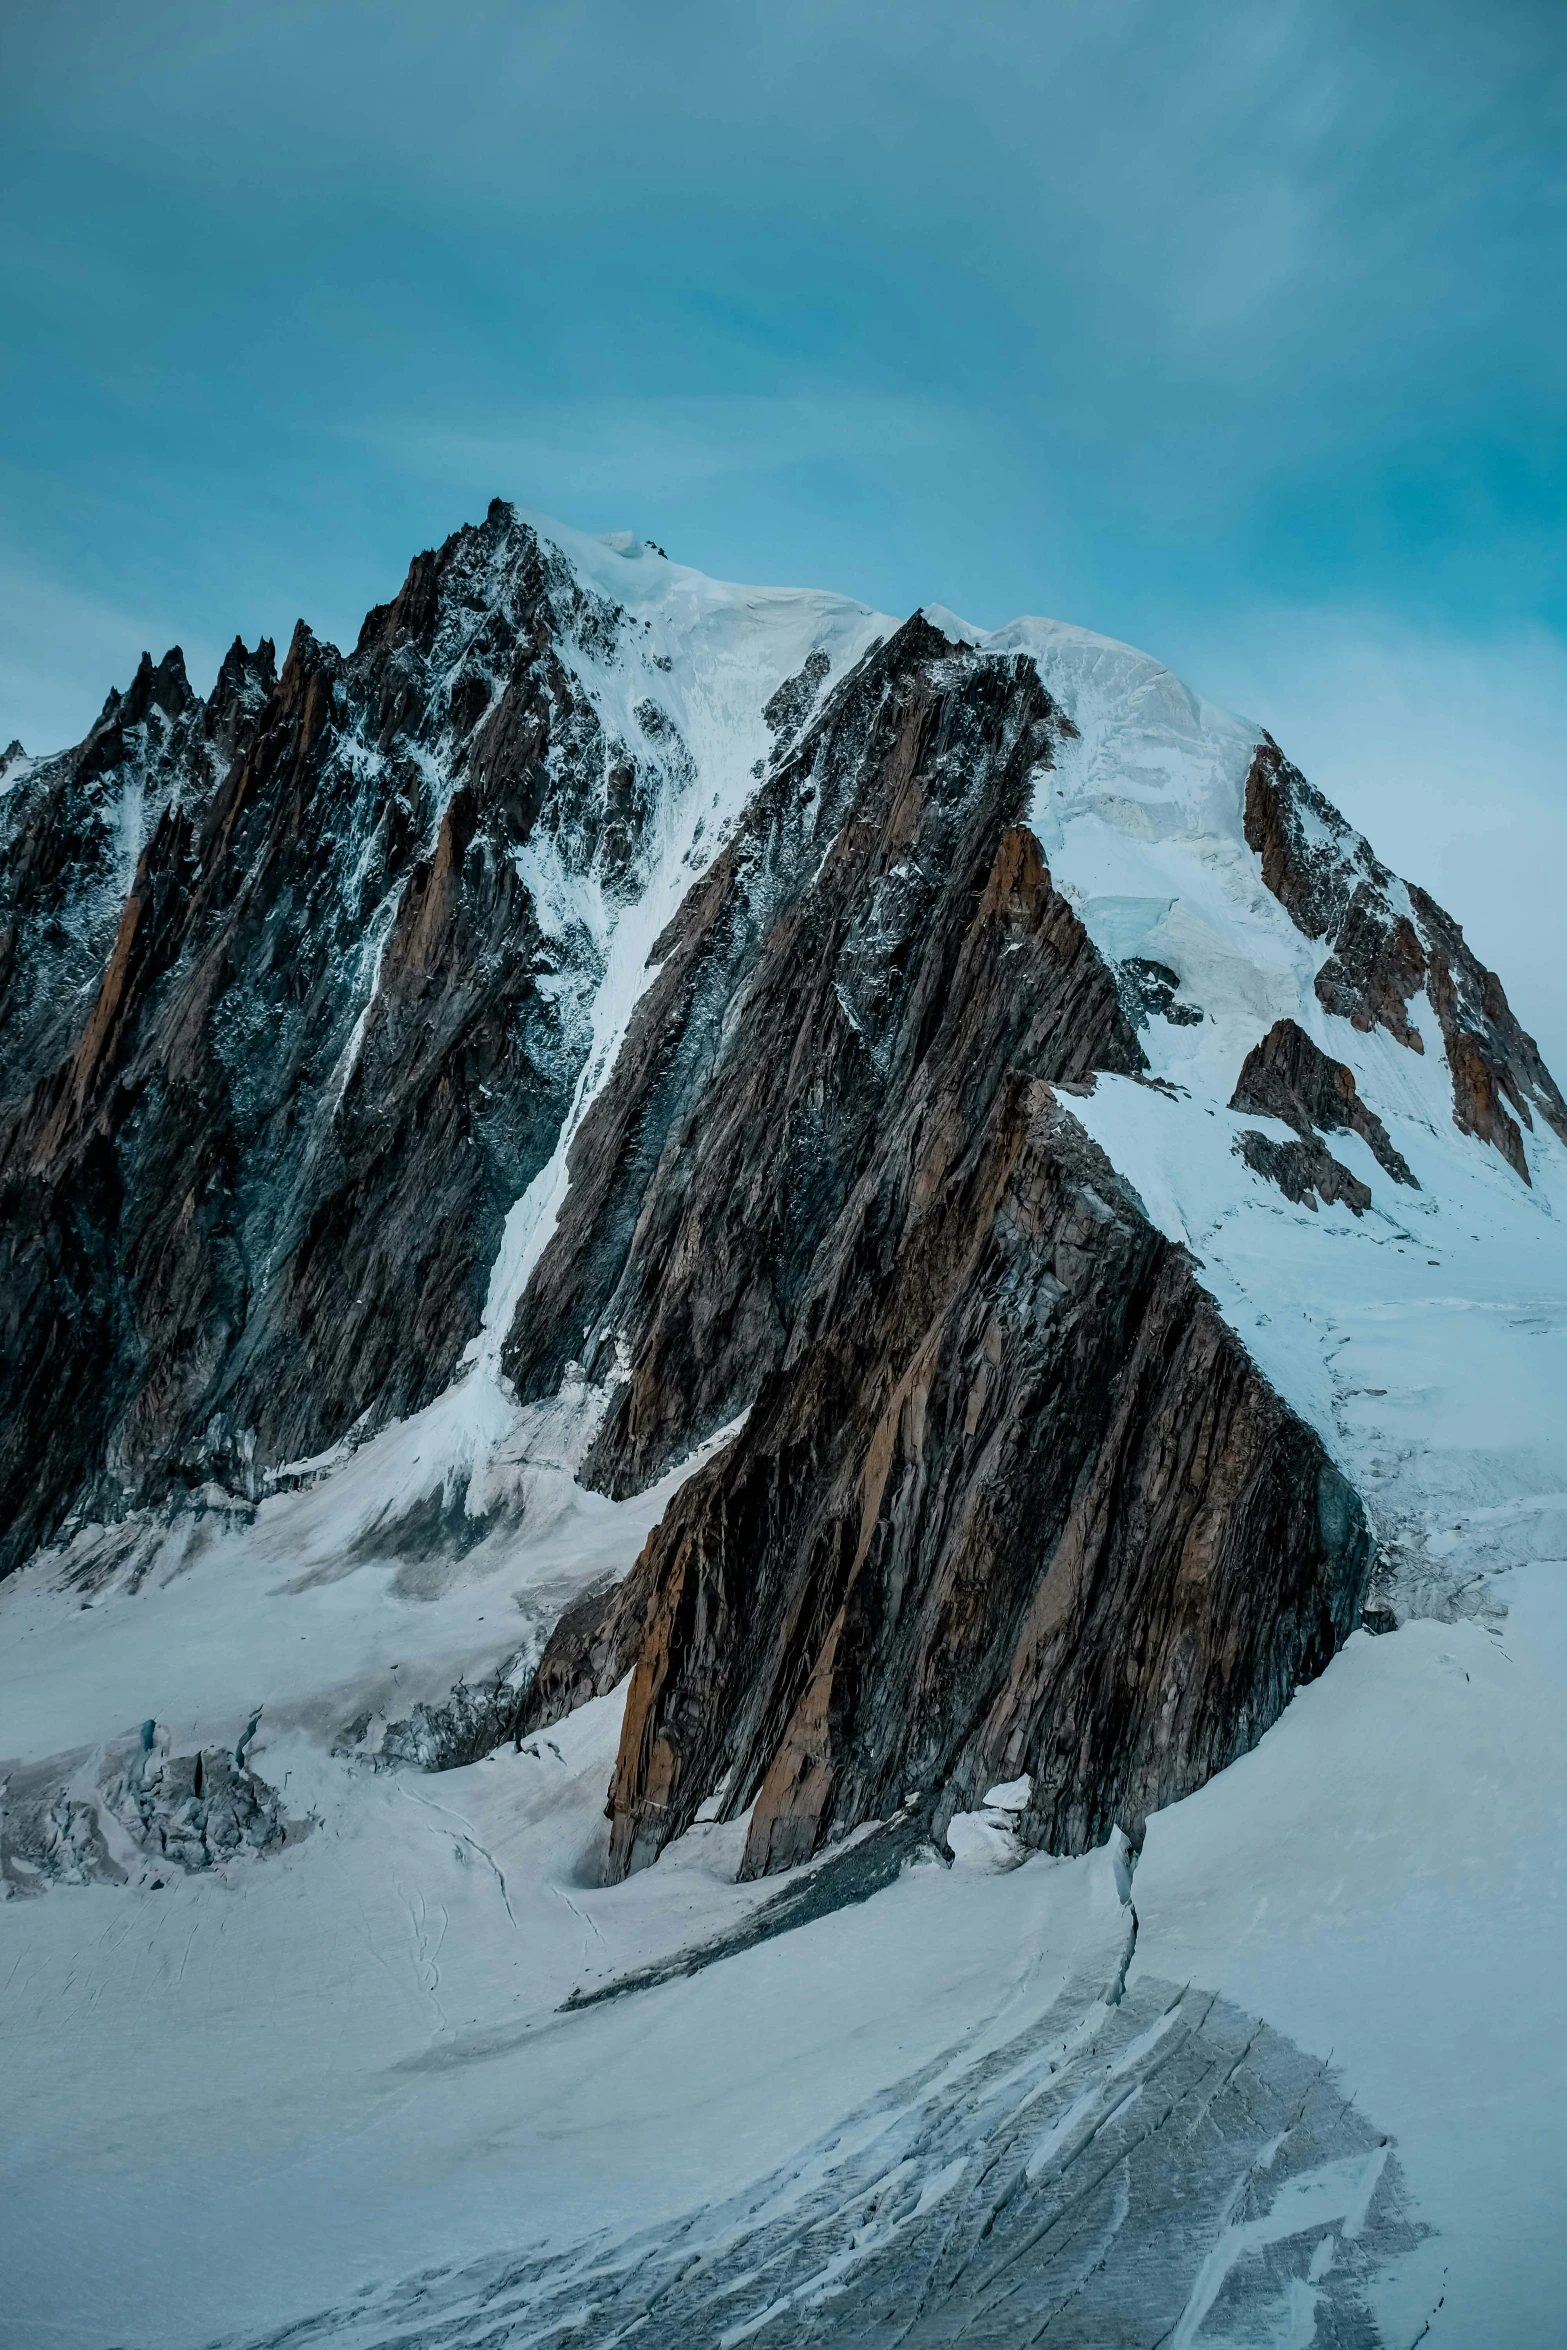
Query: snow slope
[296,2082]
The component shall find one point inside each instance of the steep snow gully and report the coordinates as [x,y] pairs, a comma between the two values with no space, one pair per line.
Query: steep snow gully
[783,1504]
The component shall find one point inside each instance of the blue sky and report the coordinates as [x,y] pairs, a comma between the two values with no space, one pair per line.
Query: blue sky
[1239,331]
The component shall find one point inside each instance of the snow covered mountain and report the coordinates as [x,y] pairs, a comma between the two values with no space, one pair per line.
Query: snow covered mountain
[888,1237]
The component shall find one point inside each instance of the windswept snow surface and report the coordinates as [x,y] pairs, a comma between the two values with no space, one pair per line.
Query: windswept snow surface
[1317,2095]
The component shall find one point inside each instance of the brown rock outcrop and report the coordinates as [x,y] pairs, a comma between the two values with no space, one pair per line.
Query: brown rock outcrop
[1016,1500]
[1494,1063]
[1386,941]
[590,1651]
[1289,1077]
[1009,1495]
[802,987]
[1310,857]
[1378,963]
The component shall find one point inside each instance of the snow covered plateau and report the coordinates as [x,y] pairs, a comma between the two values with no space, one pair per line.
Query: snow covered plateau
[892,1247]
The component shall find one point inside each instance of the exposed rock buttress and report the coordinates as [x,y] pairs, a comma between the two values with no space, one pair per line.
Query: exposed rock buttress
[284,1035]
[1009,1497]
[1386,942]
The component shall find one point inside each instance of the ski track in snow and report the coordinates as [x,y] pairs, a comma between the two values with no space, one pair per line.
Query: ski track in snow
[1340,2045]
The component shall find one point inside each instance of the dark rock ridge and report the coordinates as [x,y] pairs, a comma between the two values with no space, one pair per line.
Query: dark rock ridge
[1303,1171]
[73,829]
[1289,1077]
[802,986]
[591,1650]
[1386,941]
[284,1032]
[1016,1500]
[1150,990]
[1010,1497]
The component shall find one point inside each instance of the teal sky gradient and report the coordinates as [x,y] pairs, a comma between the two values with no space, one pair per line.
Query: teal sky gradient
[1237,330]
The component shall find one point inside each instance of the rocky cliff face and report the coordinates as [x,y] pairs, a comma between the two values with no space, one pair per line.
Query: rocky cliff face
[1386,942]
[295,1002]
[1015,1503]
[802,989]
[307,986]
[1009,1498]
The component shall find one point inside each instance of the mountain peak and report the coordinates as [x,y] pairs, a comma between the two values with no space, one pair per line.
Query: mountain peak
[889,1240]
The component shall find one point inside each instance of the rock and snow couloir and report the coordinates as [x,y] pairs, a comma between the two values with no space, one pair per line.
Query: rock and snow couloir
[918,1193]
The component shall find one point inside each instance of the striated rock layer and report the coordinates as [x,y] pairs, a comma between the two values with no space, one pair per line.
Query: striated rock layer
[803,986]
[1010,1496]
[1016,1501]
[287,1028]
